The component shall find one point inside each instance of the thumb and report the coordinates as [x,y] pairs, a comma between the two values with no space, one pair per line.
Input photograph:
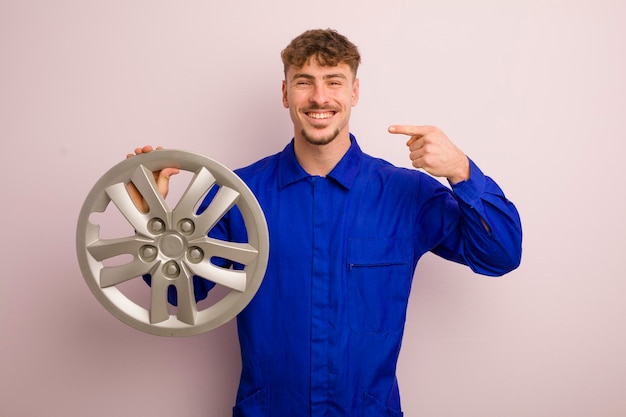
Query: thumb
[163,180]
[168,172]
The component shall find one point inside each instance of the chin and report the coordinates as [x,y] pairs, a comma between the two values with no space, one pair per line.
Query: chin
[319,139]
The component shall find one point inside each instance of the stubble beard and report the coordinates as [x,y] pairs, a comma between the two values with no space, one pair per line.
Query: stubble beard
[320,141]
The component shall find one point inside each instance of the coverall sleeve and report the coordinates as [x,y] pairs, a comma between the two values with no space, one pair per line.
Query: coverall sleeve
[488,235]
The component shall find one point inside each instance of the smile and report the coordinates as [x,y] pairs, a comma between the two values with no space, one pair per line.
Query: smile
[320,116]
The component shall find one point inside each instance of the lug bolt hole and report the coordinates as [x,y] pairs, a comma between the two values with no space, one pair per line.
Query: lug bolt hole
[171,269]
[195,254]
[157,226]
[148,253]
[186,227]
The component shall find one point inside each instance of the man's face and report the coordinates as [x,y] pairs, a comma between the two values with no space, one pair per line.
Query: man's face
[320,100]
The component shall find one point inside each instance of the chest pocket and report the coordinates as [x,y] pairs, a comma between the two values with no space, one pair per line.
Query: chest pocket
[378,283]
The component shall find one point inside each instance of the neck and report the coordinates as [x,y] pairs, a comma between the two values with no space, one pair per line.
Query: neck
[320,159]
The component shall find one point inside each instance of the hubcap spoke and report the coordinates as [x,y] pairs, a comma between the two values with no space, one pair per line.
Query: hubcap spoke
[223,201]
[200,184]
[158,301]
[114,275]
[187,309]
[229,278]
[108,248]
[242,253]
[122,200]
[144,181]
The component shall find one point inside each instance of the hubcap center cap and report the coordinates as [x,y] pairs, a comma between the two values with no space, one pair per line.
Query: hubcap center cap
[172,246]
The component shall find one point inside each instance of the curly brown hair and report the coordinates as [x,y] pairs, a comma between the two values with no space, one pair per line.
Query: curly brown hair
[327,46]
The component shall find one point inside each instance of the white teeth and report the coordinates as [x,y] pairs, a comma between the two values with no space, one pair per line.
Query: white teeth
[321,115]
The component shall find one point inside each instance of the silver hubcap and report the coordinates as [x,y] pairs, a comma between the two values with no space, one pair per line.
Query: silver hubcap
[170,244]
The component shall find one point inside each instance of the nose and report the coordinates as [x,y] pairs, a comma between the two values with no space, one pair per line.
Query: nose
[319,95]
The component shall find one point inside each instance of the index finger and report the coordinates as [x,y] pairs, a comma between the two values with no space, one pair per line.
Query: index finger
[415,132]
[409,130]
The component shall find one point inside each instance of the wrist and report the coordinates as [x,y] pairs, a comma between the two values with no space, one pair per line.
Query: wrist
[462,173]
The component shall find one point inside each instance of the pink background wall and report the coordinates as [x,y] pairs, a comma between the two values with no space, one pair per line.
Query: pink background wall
[533,91]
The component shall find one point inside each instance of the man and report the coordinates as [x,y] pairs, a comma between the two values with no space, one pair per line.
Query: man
[323,333]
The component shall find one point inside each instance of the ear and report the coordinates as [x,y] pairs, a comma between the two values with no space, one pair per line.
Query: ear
[355,92]
[284,91]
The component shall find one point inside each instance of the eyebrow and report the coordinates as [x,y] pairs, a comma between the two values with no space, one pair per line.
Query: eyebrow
[326,77]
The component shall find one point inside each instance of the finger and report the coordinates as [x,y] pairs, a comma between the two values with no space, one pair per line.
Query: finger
[418,152]
[144,149]
[409,130]
[417,161]
[164,179]
[165,174]
[415,132]
[416,142]
[168,172]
